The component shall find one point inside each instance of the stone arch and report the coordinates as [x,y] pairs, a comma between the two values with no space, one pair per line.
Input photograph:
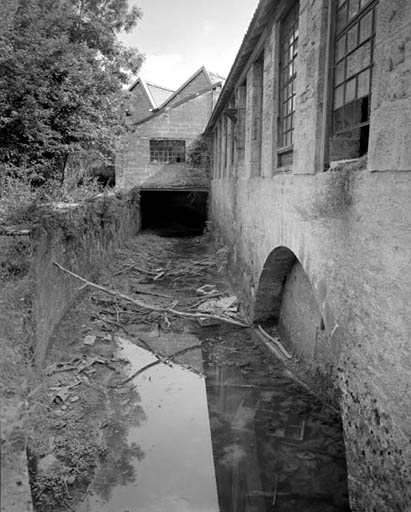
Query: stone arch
[276,268]
[286,298]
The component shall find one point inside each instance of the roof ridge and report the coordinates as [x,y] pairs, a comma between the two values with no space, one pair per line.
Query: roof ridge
[152,84]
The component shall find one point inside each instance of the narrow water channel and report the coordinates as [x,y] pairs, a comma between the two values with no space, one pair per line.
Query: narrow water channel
[223,442]
[223,428]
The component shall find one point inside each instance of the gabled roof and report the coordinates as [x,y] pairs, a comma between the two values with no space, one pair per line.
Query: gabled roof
[156,94]
[159,93]
[211,79]
[186,99]
[261,17]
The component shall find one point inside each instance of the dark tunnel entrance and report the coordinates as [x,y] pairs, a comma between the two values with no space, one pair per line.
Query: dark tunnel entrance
[174,213]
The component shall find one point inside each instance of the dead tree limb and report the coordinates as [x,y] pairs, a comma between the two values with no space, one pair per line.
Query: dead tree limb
[110,292]
[276,343]
[152,307]
[160,359]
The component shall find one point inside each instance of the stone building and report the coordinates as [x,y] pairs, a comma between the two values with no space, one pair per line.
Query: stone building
[145,97]
[165,154]
[311,191]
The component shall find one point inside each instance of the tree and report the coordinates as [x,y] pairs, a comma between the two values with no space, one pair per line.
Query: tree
[62,76]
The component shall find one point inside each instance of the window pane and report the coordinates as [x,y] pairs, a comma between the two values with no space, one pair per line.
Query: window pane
[339,72]
[352,38]
[360,59]
[350,90]
[340,48]
[339,120]
[366,27]
[363,83]
[288,46]
[341,18]
[353,8]
[363,3]
[339,97]
[167,151]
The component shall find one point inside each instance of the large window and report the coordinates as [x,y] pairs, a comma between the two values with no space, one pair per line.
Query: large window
[288,74]
[353,64]
[167,150]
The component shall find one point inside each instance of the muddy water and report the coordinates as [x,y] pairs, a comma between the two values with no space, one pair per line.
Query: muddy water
[236,433]
[276,448]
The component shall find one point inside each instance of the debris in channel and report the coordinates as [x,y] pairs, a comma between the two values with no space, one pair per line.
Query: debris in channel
[215,316]
[276,342]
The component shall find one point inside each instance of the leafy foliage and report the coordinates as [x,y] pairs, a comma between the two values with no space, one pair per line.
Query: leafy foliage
[62,71]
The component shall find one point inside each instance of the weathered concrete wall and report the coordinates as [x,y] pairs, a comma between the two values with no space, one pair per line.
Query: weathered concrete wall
[81,238]
[357,257]
[300,321]
[350,230]
[390,147]
[186,121]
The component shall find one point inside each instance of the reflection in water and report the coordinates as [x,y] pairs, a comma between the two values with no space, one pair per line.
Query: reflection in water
[176,473]
[275,447]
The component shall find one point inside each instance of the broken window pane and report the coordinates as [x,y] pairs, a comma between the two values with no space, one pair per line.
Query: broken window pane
[355,20]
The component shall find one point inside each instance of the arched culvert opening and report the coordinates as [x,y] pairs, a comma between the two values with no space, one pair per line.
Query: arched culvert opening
[174,213]
[287,307]
[285,299]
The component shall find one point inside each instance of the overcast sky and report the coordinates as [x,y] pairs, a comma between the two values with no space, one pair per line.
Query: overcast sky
[179,36]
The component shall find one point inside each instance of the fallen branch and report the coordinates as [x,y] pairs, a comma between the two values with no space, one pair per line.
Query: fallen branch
[135,267]
[159,360]
[154,294]
[110,292]
[152,307]
[261,334]
[276,343]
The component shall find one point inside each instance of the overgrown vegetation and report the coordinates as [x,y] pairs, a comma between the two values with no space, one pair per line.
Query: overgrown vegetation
[62,76]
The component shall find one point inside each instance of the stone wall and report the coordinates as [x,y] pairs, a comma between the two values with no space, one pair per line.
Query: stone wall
[80,237]
[349,229]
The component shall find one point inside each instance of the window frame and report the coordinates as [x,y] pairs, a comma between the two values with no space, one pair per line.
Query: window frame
[180,155]
[342,61]
[288,23]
